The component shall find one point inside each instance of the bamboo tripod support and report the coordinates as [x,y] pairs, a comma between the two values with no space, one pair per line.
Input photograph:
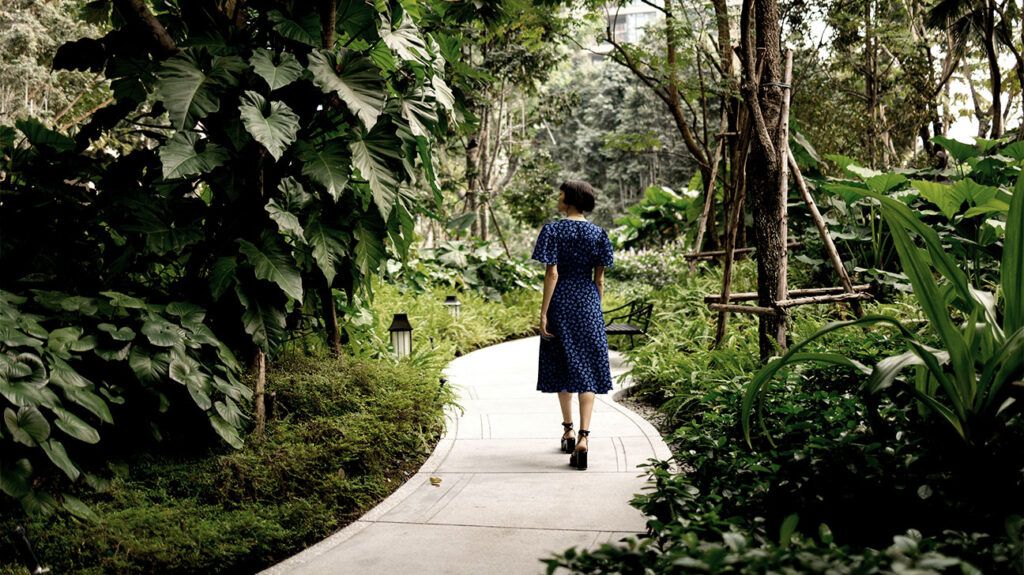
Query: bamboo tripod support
[847,292]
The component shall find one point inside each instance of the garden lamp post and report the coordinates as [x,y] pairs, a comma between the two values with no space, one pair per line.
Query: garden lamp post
[401,335]
[453,304]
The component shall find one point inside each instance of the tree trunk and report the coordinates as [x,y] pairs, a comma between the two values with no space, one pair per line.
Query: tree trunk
[764,98]
[259,366]
[330,316]
[995,78]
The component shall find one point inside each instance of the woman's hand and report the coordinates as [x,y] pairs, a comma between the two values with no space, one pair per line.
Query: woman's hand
[544,325]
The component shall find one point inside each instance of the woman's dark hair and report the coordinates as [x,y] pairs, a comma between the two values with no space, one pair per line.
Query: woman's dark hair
[578,194]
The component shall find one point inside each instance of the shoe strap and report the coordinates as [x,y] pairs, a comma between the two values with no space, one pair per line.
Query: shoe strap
[567,426]
[584,432]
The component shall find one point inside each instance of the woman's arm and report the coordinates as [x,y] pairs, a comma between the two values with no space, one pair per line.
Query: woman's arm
[599,280]
[550,279]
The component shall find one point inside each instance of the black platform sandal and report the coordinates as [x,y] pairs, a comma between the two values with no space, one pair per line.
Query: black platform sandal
[568,443]
[578,459]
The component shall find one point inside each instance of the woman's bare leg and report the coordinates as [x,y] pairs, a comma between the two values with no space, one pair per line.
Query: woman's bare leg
[586,409]
[565,401]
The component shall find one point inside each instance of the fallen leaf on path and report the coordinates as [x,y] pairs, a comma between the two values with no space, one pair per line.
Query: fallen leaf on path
[435,481]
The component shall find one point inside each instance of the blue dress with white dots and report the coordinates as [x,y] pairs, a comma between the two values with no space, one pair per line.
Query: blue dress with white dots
[576,358]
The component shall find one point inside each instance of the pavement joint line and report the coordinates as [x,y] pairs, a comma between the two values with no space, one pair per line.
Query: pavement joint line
[441,524]
[451,495]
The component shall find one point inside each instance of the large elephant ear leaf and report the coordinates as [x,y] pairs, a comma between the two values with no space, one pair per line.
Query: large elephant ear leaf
[285,71]
[15,477]
[263,321]
[28,426]
[370,157]
[180,157]
[273,264]
[328,165]
[227,431]
[1012,269]
[328,244]
[358,84]
[190,89]
[272,124]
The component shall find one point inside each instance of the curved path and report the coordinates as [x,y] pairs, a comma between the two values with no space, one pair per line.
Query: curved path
[507,495]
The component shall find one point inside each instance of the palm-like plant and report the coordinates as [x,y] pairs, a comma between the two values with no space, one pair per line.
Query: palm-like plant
[968,382]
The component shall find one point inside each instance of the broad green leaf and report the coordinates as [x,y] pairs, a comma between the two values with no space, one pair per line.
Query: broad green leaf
[21,393]
[90,401]
[959,150]
[369,248]
[420,113]
[61,340]
[161,332]
[287,222]
[222,276]
[187,312]
[38,504]
[305,29]
[15,477]
[74,426]
[328,166]
[149,368]
[442,93]
[882,183]
[28,368]
[294,196]
[1014,150]
[191,89]
[272,124]
[370,157]
[42,137]
[118,299]
[328,244]
[887,369]
[180,158]
[787,529]
[280,74]
[975,193]
[948,198]
[79,509]
[358,84]
[66,376]
[1011,272]
[116,333]
[264,323]
[184,369]
[227,432]
[229,411]
[54,449]
[274,265]
[27,426]
[406,40]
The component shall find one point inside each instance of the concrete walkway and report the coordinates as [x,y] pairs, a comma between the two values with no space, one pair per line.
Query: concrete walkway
[507,495]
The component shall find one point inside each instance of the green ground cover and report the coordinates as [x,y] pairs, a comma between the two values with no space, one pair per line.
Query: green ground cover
[342,435]
[844,482]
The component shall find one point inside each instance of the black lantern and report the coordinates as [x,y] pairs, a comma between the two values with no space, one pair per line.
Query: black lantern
[401,335]
[453,304]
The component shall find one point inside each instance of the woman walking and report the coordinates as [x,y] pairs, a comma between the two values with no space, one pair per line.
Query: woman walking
[573,345]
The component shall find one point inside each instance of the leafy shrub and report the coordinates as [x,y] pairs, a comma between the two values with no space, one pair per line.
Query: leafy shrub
[466,265]
[655,267]
[70,364]
[661,215]
[342,436]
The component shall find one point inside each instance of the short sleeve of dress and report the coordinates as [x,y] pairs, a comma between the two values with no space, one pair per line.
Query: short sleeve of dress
[546,248]
[603,256]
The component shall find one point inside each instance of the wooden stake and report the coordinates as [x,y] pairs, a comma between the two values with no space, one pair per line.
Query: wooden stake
[826,238]
[749,296]
[719,253]
[781,292]
[739,308]
[828,298]
[260,365]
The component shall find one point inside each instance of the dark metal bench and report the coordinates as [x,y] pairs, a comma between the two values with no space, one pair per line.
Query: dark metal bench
[635,321]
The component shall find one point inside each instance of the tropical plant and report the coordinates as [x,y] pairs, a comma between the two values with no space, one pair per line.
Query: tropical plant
[968,382]
[662,215]
[71,365]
